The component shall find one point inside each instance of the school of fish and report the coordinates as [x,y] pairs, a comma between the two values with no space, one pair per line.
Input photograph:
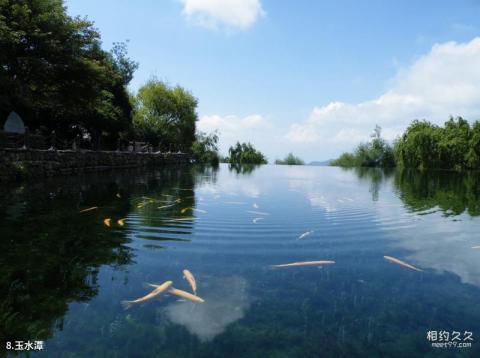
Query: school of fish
[167,286]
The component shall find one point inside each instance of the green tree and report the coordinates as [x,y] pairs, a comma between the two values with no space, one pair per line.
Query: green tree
[454,143]
[376,153]
[290,159]
[245,153]
[55,74]
[205,148]
[473,154]
[165,116]
[425,145]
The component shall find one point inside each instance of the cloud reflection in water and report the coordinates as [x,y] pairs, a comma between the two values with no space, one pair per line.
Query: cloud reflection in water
[226,300]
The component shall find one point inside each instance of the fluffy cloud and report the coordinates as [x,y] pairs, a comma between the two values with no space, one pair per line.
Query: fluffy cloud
[234,128]
[444,82]
[239,14]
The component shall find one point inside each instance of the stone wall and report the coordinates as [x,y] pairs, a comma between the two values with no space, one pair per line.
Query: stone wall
[16,163]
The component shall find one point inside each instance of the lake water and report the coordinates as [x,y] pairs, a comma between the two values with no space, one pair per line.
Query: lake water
[64,273]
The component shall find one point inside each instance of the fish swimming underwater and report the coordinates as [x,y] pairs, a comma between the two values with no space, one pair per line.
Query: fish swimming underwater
[255,206]
[89,209]
[191,280]
[476,247]
[121,222]
[186,295]
[107,221]
[305,234]
[184,210]
[401,263]
[158,290]
[182,219]
[256,220]
[257,212]
[166,206]
[200,210]
[306,263]
[118,195]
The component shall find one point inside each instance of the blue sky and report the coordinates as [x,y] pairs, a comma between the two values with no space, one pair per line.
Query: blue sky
[312,77]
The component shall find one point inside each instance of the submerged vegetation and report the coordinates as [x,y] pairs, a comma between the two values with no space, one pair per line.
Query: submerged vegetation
[290,159]
[245,153]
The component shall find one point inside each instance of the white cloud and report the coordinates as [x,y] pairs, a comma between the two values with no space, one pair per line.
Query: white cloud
[444,82]
[239,14]
[234,128]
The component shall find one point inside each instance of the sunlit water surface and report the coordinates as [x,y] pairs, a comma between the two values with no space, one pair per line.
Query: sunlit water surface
[65,273]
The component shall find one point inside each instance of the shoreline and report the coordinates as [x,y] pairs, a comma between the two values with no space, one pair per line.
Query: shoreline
[18,164]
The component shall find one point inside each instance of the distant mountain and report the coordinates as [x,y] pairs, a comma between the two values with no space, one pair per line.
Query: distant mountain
[325,163]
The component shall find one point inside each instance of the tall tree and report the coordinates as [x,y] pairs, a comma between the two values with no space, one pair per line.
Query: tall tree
[245,153]
[54,72]
[165,116]
[376,153]
[205,148]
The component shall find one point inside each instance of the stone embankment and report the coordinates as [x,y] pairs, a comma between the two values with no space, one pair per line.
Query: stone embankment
[20,163]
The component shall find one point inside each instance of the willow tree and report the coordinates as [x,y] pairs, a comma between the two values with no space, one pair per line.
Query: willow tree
[456,145]
[245,153]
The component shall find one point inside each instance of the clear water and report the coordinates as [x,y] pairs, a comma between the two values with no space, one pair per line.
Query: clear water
[65,273]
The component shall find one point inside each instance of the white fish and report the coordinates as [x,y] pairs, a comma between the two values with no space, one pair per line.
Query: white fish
[305,234]
[256,220]
[257,212]
[401,263]
[166,206]
[476,247]
[89,209]
[187,275]
[306,263]
[158,289]
[255,206]
[199,210]
[186,295]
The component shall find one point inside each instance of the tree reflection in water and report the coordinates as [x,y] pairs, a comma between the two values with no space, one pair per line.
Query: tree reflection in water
[50,254]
